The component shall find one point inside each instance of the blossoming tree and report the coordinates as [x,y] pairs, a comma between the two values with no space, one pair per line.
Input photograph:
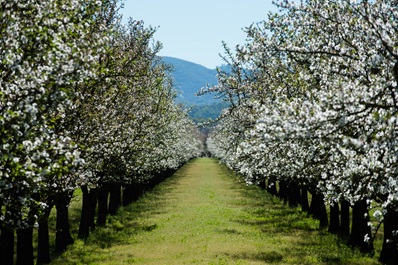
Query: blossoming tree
[84,102]
[322,90]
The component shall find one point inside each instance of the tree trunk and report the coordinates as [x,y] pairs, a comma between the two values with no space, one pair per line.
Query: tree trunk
[271,187]
[115,198]
[334,226]
[25,246]
[345,219]
[389,251]
[87,217]
[63,237]
[294,194]
[7,247]
[318,209]
[262,184]
[103,195]
[127,195]
[132,192]
[43,246]
[283,191]
[84,228]
[360,228]
[304,200]
[93,199]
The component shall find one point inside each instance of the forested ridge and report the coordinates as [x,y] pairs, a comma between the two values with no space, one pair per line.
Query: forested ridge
[189,77]
[87,105]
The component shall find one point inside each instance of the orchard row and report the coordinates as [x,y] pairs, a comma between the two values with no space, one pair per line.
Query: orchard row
[313,96]
[86,103]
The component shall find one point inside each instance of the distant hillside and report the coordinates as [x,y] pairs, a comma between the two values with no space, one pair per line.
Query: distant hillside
[189,78]
[202,113]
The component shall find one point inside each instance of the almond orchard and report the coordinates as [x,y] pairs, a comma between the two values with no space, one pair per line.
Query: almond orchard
[313,96]
[85,103]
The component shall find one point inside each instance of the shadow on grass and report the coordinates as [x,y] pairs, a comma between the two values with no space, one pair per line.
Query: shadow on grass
[265,256]
[229,231]
[295,238]
[119,229]
[276,257]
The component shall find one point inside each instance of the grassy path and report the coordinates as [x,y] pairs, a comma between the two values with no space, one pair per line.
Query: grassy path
[203,215]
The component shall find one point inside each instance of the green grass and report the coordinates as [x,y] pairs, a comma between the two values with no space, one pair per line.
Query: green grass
[205,215]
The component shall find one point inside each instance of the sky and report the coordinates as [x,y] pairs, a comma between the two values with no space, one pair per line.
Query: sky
[194,30]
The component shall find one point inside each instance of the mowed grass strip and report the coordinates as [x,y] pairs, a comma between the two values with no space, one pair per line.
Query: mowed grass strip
[205,215]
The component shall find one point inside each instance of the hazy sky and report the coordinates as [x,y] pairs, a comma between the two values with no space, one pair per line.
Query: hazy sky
[194,30]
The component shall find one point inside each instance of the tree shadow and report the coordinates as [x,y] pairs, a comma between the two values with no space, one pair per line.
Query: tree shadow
[295,236]
[269,257]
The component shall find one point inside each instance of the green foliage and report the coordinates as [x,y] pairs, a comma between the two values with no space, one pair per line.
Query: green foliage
[202,113]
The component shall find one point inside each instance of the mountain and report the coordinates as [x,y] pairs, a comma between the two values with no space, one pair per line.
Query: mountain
[202,113]
[189,78]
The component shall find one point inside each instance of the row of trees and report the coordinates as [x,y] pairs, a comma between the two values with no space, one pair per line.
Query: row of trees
[85,103]
[313,96]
